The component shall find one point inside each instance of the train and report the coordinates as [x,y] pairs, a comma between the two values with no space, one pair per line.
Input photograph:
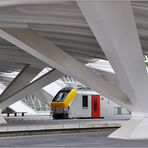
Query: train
[82,102]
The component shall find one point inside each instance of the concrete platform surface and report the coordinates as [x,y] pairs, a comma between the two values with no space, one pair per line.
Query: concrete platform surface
[37,123]
[73,140]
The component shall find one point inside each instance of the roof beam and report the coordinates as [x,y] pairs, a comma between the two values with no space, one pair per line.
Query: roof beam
[44,96]
[107,75]
[47,52]
[44,80]
[22,79]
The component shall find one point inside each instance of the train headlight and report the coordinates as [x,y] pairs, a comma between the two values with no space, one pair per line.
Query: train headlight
[66,110]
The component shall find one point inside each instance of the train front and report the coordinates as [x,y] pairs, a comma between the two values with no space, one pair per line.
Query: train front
[60,103]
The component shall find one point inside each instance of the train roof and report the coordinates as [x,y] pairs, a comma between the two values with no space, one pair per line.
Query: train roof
[85,90]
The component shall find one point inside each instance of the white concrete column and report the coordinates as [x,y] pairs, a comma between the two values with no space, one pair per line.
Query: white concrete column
[113,25]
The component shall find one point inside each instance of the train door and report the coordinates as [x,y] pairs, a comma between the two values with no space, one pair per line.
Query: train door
[95,106]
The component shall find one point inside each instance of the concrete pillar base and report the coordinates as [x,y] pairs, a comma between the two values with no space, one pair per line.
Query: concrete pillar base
[2,120]
[135,128]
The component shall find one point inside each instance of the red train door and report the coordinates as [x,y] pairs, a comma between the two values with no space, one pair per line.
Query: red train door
[95,106]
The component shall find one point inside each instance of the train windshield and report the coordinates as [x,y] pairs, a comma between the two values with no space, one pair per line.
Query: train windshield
[60,97]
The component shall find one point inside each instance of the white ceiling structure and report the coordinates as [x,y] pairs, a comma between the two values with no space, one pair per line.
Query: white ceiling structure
[67,35]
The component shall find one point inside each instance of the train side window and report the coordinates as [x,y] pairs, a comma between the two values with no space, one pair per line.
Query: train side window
[84,101]
[102,98]
[108,101]
[95,104]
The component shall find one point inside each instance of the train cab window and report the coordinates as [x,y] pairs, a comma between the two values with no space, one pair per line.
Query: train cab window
[85,101]
[60,97]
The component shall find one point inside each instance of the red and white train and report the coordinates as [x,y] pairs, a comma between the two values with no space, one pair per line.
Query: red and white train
[84,103]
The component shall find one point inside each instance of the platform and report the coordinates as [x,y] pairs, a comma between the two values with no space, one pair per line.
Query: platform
[45,123]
